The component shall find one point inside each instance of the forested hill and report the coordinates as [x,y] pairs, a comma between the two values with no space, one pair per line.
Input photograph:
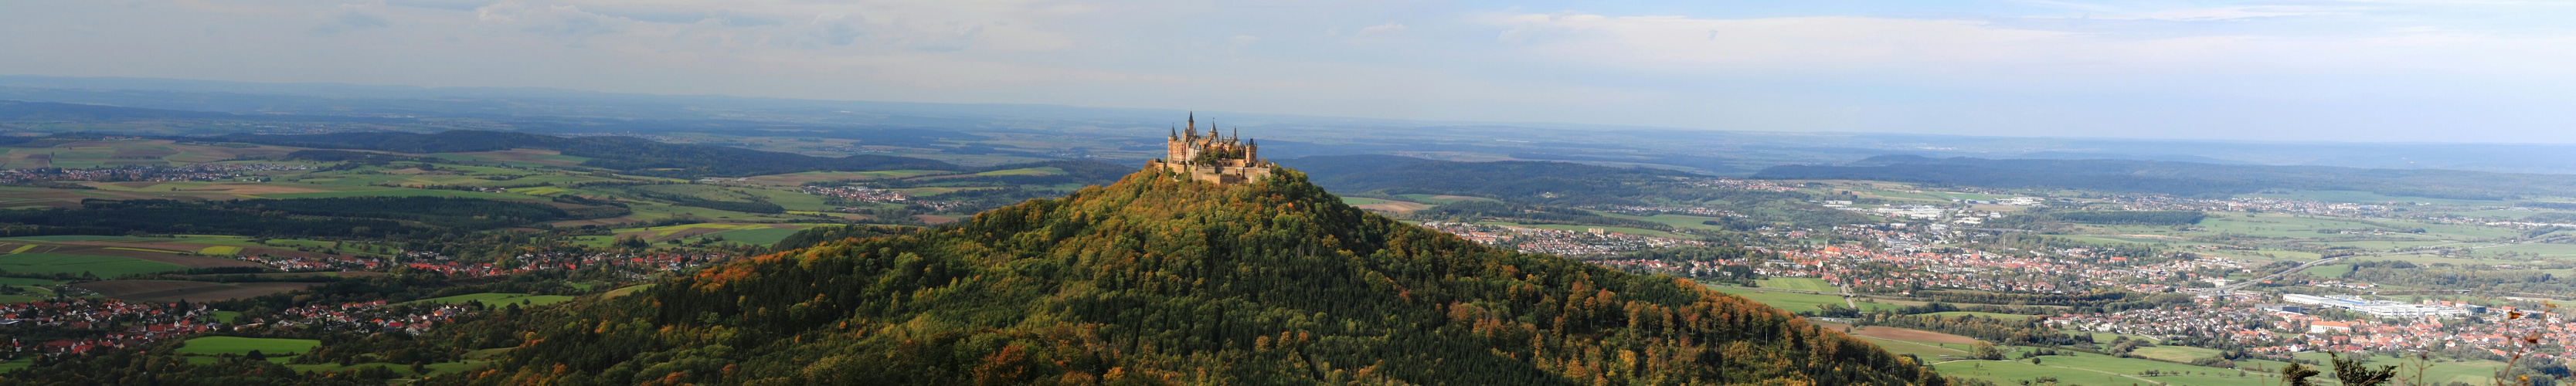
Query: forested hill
[633,155]
[1155,281]
[2183,178]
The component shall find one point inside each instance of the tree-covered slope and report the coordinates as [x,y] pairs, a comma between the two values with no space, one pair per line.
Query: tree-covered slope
[1156,281]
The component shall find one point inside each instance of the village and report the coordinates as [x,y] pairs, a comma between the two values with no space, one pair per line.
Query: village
[190,172]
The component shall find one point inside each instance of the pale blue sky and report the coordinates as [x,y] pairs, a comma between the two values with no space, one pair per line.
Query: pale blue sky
[2391,70]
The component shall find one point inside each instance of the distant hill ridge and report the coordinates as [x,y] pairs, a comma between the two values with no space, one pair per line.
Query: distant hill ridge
[1153,280]
[2183,178]
[632,155]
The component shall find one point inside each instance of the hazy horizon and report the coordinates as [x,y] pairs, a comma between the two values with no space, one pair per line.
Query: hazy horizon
[2299,71]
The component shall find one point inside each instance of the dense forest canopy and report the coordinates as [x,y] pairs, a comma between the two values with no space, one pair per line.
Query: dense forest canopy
[2182,178]
[632,155]
[1157,281]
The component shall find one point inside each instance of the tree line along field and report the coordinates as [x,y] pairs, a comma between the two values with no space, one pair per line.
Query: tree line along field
[498,299]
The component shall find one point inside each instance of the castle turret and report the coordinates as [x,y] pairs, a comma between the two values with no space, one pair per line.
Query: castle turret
[1219,157]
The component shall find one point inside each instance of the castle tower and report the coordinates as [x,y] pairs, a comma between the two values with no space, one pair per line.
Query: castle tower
[1217,157]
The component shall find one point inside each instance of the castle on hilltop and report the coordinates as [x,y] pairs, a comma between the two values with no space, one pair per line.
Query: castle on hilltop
[1212,158]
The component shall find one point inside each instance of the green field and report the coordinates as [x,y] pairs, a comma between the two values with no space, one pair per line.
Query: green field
[497,299]
[218,345]
[64,238]
[2332,270]
[2175,353]
[1361,201]
[1949,314]
[1675,220]
[1430,198]
[1929,353]
[1038,171]
[1796,301]
[18,364]
[27,281]
[2480,372]
[760,236]
[1808,284]
[103,266]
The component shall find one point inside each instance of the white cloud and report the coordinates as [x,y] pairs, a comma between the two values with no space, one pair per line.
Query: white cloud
[1771,42]
[555,20]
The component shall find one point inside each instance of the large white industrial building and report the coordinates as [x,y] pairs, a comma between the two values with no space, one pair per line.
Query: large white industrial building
[2379,308]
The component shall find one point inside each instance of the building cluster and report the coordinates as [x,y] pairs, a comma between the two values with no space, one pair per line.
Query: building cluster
[127,324]
[2240,325]
[644,262]
[194,172]
[2289,328]
[317,262]
[2248,204]
[1644,210]
[372,316]
[1590,242]
[867,194]
[1729,183]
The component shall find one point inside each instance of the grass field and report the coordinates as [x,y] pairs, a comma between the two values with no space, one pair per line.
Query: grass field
[2471,372]
[1929,353]
[1799,284]
[26,281]
[1984,314]
[2332,271]
[1440,199]
[103,266]
[2175,353]
[18,364]
[497,298]
[218,345]
[1796,301]
[1038,171]
[1362,201]
[627,290]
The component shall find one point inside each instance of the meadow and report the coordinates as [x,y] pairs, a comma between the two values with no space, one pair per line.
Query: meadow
[1808,284]
[273,347]
[1797,301]
[496,299]
[102,266]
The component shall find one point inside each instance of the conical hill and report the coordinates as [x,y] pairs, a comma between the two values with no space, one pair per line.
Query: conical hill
[1157,281]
